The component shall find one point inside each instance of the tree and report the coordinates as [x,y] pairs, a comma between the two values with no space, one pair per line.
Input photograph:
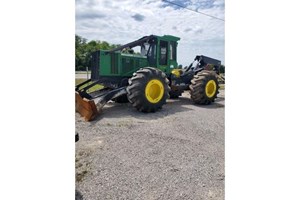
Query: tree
[84,50]
[80,44]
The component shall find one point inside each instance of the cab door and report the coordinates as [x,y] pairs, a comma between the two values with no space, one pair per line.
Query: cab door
[163,61]
[173,55]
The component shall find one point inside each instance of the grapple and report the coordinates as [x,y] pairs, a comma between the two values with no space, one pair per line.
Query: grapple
[89,105]
[85,107]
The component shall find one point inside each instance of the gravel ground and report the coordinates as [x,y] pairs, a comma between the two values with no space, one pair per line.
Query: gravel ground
[176,153]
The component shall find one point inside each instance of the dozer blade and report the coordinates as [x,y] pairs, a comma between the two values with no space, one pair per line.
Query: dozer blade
[86,108]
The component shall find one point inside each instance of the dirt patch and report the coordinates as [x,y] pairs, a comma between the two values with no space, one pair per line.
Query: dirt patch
[82,165]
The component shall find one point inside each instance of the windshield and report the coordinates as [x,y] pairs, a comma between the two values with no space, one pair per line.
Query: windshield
[144,49]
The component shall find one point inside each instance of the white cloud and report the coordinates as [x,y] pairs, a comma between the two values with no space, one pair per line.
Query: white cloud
[122,21]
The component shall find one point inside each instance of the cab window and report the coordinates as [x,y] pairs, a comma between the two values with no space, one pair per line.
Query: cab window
[172,51]
[163,60]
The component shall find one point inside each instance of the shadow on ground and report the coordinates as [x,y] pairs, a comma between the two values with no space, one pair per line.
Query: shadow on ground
[78,195]
[173,106]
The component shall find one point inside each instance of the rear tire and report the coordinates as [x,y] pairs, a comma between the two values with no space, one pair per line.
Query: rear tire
[204,87]
[148,89]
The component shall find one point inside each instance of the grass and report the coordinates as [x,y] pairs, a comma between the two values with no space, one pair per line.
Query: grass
[92,89]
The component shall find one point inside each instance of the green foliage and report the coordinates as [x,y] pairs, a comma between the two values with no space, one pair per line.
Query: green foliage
[84,49]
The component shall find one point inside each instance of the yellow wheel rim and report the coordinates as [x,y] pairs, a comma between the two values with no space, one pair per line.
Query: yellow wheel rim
[210,88]
[154,91]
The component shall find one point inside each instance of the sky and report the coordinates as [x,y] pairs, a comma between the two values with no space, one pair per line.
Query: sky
[123,21]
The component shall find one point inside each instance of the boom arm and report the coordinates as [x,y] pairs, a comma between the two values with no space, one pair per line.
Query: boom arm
[134,43]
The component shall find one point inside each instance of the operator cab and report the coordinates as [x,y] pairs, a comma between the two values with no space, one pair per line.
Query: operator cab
[148,49]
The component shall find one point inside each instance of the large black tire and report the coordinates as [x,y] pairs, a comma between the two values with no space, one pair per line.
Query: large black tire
[204,87]
[138,92]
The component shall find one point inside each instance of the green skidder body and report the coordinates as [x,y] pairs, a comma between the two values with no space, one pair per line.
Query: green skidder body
[145,72]
[149,51]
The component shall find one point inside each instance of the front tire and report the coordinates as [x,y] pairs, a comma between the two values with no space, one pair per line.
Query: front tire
[148,89]
[204,87]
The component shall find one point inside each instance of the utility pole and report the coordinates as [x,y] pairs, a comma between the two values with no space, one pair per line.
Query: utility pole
[87,73]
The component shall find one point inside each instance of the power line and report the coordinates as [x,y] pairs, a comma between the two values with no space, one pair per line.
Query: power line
[194,10]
